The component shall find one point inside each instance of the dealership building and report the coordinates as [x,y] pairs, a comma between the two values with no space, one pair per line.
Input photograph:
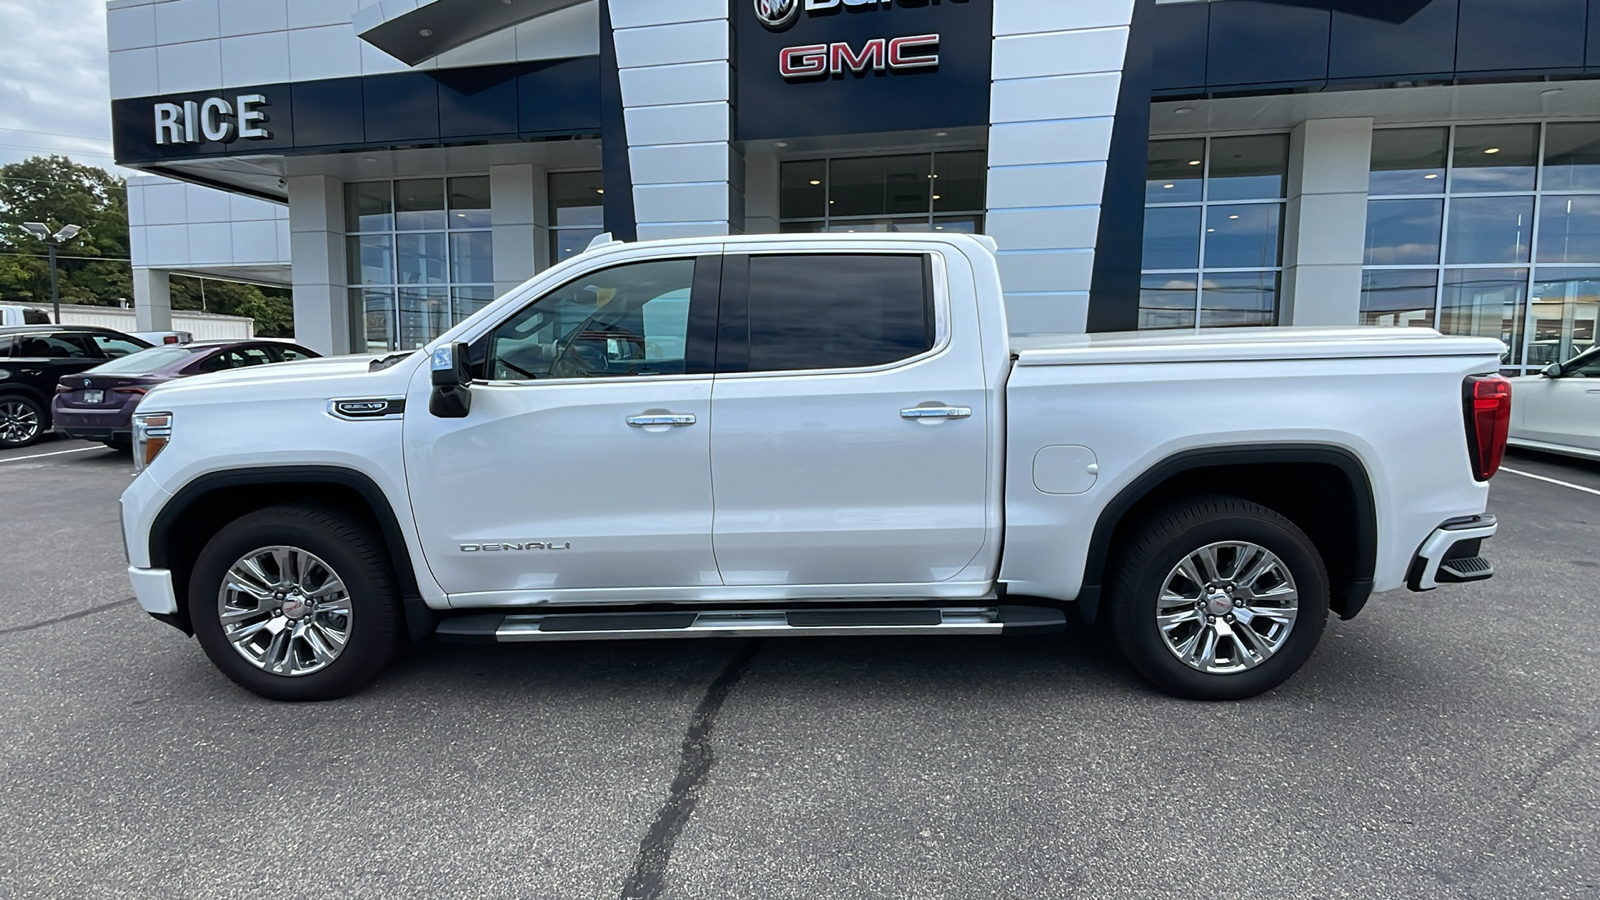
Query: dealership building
[1141,164]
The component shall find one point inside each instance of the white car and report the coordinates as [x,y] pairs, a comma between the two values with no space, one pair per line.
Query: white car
[1558,411]
[777,436]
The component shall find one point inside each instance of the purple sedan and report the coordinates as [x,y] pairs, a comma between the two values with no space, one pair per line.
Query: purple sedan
[97,405]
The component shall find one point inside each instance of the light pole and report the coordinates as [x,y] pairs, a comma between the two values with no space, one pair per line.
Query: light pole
[53,241]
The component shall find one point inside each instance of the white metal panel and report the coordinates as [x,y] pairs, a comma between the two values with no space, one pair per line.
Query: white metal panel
[195,66]
[254,59]
[252,16]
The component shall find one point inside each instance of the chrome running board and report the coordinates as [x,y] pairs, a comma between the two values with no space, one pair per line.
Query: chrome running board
[513,628]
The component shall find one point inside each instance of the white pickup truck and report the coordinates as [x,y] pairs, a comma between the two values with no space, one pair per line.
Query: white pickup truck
[810,435]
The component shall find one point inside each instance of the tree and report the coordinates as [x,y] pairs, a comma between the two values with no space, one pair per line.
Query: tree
[57,191]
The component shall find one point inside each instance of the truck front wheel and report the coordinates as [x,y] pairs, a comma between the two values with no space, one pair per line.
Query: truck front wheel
[1218,598]
[296,603]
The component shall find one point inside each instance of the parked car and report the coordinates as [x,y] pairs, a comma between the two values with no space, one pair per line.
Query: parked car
[1558,411]
[165,337]
[98,404]
[880,457]
[33,358]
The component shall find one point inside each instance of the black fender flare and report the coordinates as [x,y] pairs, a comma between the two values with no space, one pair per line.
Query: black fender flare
[1347,598]
[420,620]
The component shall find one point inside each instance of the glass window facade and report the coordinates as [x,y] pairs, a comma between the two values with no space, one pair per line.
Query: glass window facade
[577,212]
[1213,241]
[420,258]
[911,192]
[1490,230]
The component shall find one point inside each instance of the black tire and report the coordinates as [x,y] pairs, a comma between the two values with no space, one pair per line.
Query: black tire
[375,624]
[123,447]
[1154,548]
[17,411]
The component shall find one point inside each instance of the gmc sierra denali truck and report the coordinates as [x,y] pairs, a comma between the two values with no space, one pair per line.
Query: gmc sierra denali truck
[810,435]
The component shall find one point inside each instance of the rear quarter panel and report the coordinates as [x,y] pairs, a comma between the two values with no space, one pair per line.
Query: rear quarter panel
[1401,417]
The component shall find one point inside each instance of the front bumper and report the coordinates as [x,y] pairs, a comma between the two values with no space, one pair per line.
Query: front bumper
[1451,554]
[154,590]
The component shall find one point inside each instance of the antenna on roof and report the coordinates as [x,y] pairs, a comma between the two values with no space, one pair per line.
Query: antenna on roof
[604,240]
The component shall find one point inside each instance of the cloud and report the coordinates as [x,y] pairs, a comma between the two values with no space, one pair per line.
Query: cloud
[54,94]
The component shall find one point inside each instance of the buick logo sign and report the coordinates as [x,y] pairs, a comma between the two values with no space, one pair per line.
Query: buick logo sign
[777,14]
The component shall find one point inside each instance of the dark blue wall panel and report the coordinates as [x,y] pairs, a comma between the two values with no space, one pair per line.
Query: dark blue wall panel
[1369,47]
[1521,34]
[329,113]
[1254,42]
[1594,34]
[1179,37]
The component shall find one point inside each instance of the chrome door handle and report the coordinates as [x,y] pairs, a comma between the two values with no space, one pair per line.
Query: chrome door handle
[673,421]
[936,412]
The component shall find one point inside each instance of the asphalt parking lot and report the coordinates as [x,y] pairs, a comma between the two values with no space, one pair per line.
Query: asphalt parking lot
[1440,745]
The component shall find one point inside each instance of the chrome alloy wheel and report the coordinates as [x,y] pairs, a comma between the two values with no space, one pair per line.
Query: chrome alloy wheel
[19,423]
[285,610]
[1227,607]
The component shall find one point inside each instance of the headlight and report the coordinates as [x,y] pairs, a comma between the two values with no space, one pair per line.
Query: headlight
[151,434]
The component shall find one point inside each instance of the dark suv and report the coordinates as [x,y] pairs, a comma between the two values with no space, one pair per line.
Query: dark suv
[32,360]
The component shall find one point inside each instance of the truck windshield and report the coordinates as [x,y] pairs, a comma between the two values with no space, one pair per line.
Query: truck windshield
[144,362]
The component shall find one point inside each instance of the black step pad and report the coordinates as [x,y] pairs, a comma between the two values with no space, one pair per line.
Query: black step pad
[470,629]
[1459,571]
[863,618]
[619,622]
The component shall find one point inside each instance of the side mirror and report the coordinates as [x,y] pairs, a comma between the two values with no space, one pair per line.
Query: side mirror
[452,380]
[1552,371]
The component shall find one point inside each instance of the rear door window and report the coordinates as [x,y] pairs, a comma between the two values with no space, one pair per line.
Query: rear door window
[291,354]
[54,346]
[845,311]
[113,346]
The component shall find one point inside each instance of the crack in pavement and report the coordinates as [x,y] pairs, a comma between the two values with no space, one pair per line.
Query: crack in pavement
[68,617]
[655,851]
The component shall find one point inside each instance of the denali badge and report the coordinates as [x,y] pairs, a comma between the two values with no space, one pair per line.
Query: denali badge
[514,545]
[777,14]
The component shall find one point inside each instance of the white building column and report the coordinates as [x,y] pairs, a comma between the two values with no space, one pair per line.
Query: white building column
[317,251]
[673,61]
[1325,228]
[152,300]
[519,208]
[1057,73]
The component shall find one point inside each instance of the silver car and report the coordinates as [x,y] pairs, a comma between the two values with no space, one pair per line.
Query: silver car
[1558,411]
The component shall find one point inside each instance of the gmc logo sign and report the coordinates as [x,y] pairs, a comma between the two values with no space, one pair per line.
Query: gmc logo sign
[920,51]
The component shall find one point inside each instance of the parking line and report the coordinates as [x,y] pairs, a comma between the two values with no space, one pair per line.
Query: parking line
[1576,487]
[56,453]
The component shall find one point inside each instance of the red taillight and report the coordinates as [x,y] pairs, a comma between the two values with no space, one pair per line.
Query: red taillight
[170,339]
[1488,406]
[130,390]
[63,389]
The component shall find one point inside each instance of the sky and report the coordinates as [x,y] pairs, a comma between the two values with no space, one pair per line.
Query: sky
[53,84]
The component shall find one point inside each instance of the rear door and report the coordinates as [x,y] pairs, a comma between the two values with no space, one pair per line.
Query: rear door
[849,440]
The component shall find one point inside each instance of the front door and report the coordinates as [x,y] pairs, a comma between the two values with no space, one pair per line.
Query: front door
[583,465]
[1565,410]
[849,443]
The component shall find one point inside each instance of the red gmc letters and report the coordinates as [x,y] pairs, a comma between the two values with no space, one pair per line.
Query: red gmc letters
[919,51]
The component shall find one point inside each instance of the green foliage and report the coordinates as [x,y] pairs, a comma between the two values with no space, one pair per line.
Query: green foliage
[56,191]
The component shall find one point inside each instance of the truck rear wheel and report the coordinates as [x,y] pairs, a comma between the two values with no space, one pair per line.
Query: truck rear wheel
[1218,598]
[296,603]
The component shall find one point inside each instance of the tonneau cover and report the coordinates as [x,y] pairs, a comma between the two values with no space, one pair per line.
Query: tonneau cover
[1245,344]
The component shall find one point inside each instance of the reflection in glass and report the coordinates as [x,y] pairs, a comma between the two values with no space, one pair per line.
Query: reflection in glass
[469,202]
[1489,230]
[577,198]
[1486,303]
[419,204]
[1404,232]
[1172,237]
[421,258]
[1248,168]
[1175,171]
[959,180]
[371,258]
[367,207]
[1167,301]
[1402,297]
[1243,237]
[1239,300]
[879,185]
[1408,160]
[424,315]
[565,243]
[1569,229]
[372,319]
[466,301]
[803,190]
[959,224]
[1492,158]
[471,258]
[1565,308]
[1572,156]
